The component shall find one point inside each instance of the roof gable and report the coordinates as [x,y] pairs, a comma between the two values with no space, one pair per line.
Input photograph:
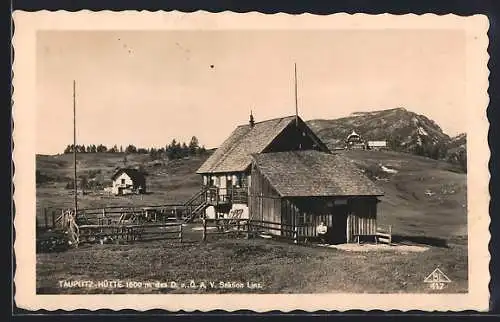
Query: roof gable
[234,154]
[313,173]
[134,174]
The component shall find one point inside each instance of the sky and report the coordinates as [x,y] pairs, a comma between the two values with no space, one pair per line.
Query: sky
[148,87]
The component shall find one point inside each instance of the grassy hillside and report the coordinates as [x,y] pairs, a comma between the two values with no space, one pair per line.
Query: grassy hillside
[167,181]
[424,198]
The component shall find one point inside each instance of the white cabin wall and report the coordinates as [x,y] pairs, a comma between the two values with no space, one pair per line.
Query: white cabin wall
[118,182]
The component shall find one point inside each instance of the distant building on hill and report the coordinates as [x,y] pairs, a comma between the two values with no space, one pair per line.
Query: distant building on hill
[128,181]
[377,145]
[354,142]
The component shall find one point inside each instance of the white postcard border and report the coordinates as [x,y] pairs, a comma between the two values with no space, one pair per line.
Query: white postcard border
[24,134]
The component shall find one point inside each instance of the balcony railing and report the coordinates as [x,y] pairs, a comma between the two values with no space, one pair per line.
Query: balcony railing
[215,195]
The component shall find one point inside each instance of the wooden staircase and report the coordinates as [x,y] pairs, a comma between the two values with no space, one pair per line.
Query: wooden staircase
[196,212]
[196,205]
[384,235]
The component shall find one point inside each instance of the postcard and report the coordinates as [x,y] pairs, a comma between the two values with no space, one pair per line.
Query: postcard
[203,161]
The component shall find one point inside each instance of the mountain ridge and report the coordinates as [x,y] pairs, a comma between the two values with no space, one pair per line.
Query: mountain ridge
[403,129]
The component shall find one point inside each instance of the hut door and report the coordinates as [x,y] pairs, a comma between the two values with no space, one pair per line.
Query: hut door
[339,225]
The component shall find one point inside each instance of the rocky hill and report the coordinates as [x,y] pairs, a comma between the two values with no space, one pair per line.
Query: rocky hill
[457,151]
[404,130]
[458,142]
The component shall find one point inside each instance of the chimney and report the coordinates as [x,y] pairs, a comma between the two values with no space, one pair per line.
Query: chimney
[252,121]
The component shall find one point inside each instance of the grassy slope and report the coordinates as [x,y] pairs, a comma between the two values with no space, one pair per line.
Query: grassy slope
[438,221]
[278,266]
[171,182]
[407,207]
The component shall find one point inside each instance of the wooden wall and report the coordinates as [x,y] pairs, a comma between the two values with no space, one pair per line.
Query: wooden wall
[358,216]
[308,212]
[264,202]
[362,218]
[346,216]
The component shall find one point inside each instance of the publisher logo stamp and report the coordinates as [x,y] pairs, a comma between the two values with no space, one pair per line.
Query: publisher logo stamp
[437,280]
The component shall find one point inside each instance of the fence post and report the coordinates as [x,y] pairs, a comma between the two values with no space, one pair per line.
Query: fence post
[63,219]
[53,219]
[247,236]
[180,232]
[295,235]
[45,217]
[204,238]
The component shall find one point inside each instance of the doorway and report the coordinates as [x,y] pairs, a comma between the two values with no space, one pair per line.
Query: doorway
[338,231]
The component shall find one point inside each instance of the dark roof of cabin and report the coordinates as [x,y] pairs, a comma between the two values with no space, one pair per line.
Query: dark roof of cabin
[134,174]
[314,173]
[234,154]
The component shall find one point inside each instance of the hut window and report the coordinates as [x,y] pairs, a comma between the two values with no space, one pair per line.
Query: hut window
[205,180]
[339,202]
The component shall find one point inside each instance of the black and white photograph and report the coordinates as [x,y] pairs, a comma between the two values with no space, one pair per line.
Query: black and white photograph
[258,160]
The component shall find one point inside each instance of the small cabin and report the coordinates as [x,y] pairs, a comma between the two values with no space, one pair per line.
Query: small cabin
[301,189]
[376,145]
[226,174]
[128,181]
[354,142]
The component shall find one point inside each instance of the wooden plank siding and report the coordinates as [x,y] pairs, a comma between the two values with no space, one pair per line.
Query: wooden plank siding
[362,219]
[264,202]
[357,217]
[346,217]
[306,213]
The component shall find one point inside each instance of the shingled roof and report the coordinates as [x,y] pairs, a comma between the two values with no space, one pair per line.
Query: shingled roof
[313,173]
[137,176]
[234,154]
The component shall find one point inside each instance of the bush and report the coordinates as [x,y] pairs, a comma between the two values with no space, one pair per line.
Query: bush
[52,242]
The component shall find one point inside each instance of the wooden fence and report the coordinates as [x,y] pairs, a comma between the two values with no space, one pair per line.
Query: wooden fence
[251,228]
[224,226]
[280,230]
[165,222]
[50,217]
[133,232]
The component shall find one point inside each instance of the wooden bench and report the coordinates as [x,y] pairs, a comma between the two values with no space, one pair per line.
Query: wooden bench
[384,236]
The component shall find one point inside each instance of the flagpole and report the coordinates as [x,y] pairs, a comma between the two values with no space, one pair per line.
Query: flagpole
[75,186]
[296,101]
